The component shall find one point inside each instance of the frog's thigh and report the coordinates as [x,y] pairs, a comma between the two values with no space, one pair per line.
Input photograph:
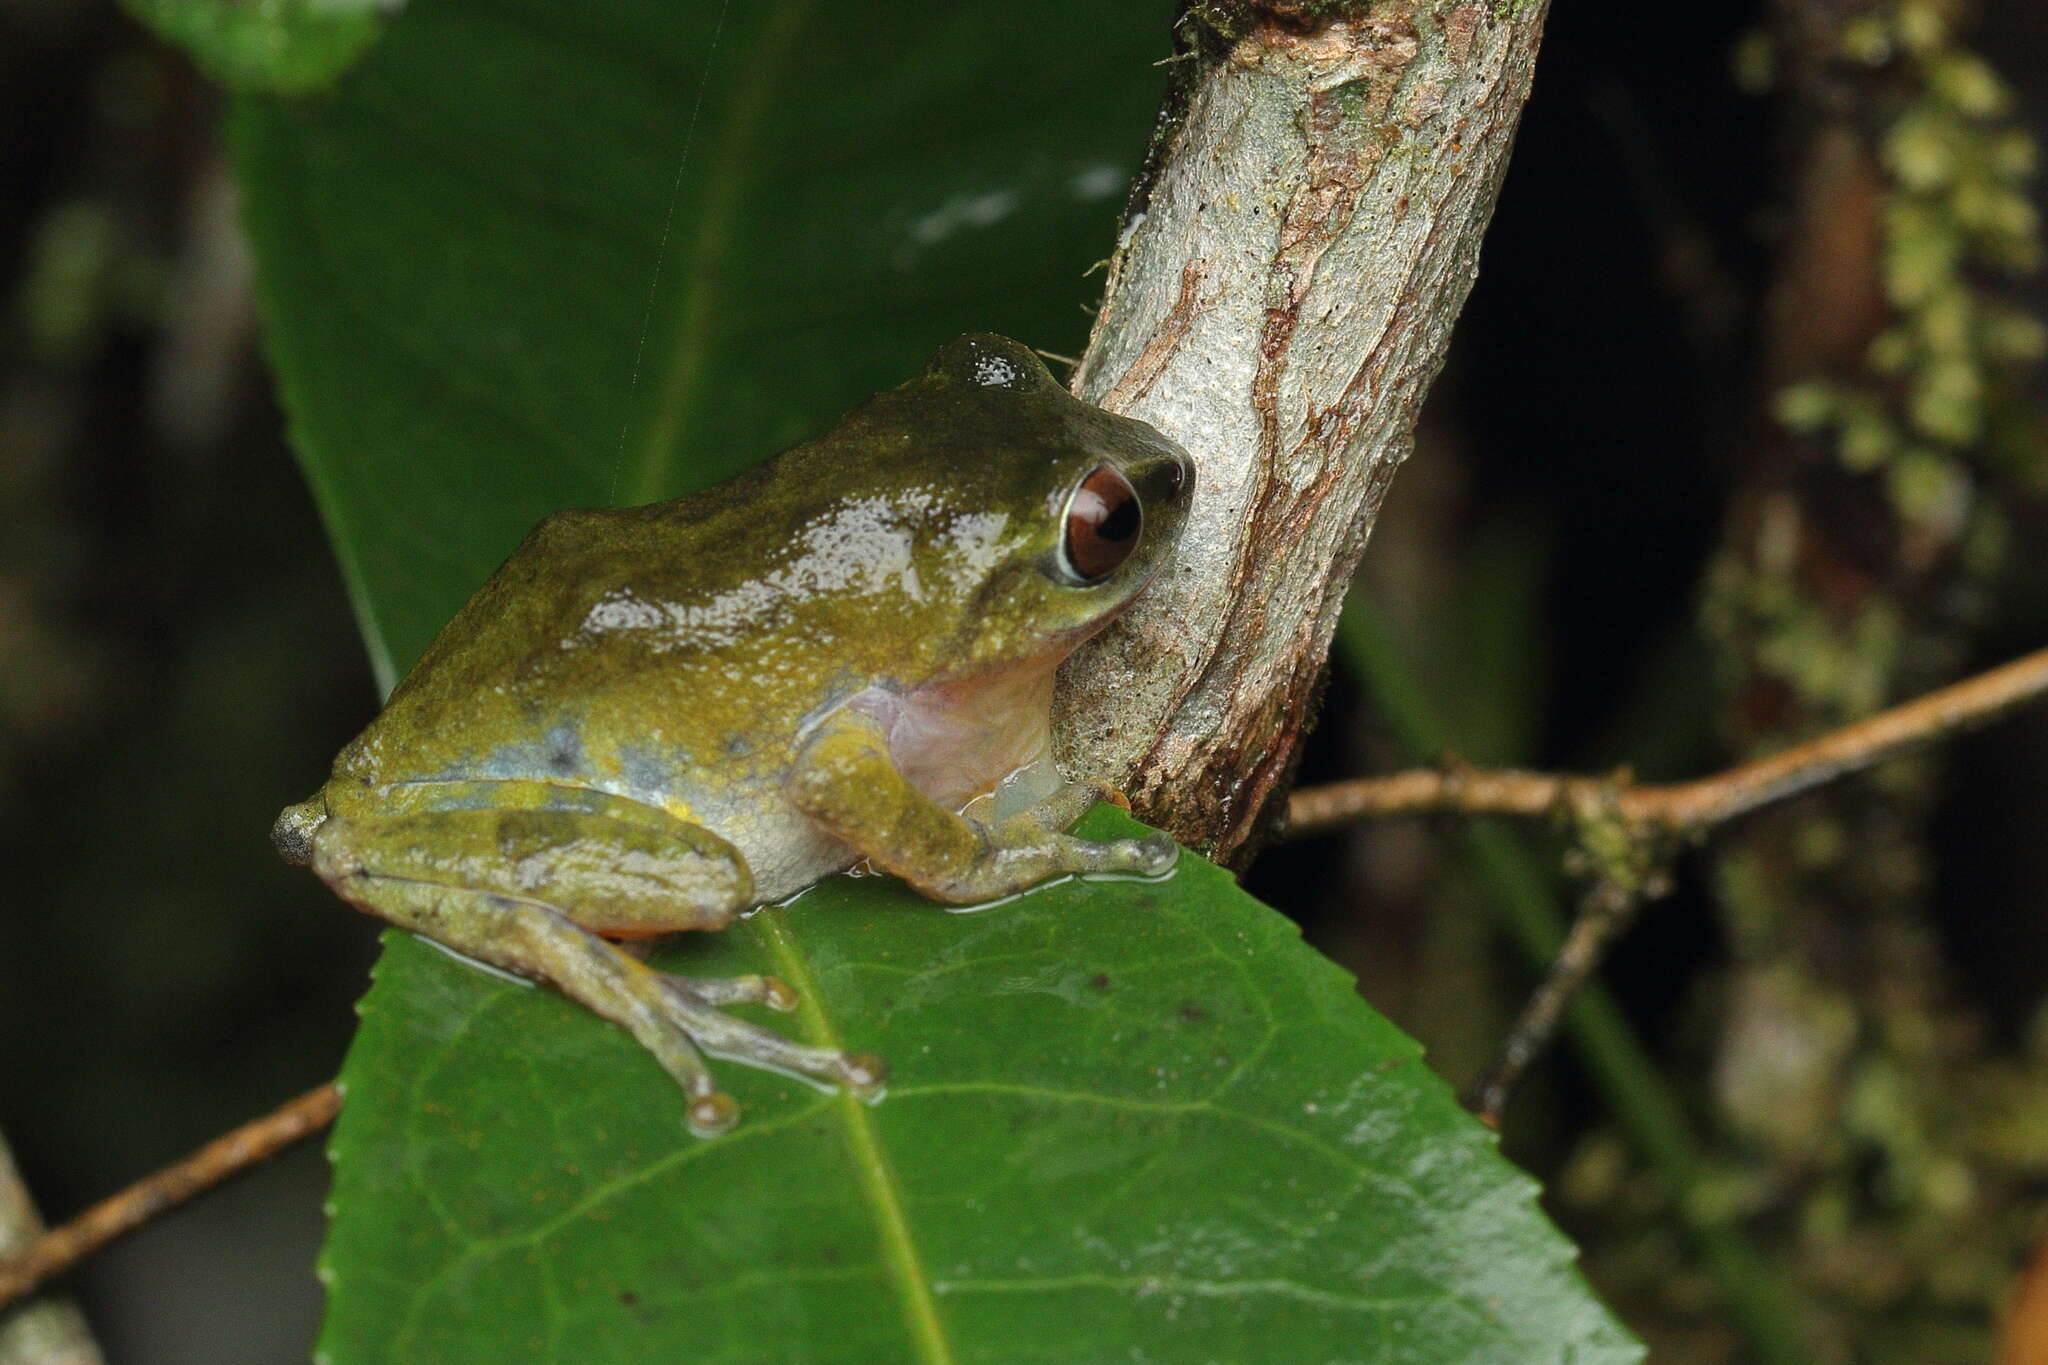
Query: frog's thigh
[846,780]
[533,941]
[479,881]
[606,874]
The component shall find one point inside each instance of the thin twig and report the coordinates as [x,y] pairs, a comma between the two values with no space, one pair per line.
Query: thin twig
[1626,833]
[1608,907]
[229,1154]
[1681,808]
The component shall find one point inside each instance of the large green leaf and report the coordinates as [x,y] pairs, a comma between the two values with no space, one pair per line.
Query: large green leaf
[528,255]
[1128,1121]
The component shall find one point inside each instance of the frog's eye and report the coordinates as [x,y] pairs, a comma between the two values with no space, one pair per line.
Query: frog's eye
[1102,524]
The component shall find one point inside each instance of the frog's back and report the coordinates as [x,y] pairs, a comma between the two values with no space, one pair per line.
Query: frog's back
[670,653]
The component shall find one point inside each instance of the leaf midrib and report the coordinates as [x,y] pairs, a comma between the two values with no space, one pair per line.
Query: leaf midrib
[877,1178]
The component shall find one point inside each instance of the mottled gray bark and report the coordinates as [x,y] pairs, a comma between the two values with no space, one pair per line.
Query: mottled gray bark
[1279,303]
[41,1330]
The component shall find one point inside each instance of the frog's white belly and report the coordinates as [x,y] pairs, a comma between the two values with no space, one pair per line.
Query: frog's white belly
[785,850]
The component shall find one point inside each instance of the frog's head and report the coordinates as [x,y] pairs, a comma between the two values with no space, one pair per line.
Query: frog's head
[1047,513]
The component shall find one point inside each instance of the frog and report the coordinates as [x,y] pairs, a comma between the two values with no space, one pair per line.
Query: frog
[662,718]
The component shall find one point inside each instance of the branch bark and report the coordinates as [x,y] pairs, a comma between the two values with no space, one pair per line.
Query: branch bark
[23,1267]
[1280,300]
[1682,808]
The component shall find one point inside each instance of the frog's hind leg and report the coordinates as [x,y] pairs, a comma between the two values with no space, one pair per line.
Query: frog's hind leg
[534,941]
[514,889]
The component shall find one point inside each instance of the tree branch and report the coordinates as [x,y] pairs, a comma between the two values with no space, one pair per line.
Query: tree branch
[229,1154]
[1626,833]
[1307,229]
[1684,808]
[1607,907]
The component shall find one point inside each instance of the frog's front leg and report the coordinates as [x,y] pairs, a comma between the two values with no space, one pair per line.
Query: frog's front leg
[530,891]
[847,781]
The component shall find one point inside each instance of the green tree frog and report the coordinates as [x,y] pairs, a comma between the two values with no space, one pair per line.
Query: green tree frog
[655,718]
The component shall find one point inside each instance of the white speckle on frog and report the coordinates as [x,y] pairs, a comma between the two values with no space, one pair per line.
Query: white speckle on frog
[860,547]
[994,372]
[977,543]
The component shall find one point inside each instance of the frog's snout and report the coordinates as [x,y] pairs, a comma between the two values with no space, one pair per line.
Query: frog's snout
[293,831]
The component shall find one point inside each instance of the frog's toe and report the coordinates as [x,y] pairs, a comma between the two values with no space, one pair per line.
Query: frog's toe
[771,991]
[712,1114]
[1152,856]
[1160,853]
[692,1006]
[864,1073]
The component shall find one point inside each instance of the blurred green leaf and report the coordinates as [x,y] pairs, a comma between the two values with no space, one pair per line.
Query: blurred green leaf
[1139,1120]
[289,47]
[526,256]
[530,256]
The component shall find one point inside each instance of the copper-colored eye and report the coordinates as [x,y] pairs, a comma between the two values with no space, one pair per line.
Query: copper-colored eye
[1103,520]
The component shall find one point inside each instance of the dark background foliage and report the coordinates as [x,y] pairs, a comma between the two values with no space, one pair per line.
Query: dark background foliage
[177,658]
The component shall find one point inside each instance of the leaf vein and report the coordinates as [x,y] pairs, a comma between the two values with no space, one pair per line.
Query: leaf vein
[1148,1285]
[878,1178]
